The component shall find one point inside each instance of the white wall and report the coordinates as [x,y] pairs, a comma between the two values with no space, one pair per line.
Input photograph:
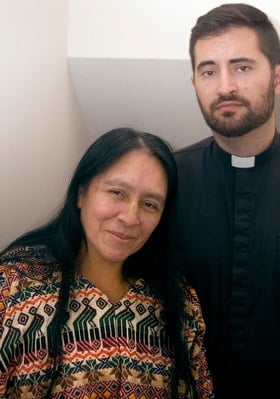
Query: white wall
[130,64]
[133,29]
[42,133]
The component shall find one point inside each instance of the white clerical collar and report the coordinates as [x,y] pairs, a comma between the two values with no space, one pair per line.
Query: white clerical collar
[242,162]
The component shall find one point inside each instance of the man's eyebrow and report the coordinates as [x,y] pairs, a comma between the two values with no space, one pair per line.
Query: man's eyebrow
[204,63]
[231,61]
[242,59]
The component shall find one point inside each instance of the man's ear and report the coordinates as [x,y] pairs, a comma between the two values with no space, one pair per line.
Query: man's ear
[193,80]
[277,80]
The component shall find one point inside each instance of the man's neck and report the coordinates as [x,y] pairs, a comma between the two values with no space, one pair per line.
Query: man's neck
[250,144]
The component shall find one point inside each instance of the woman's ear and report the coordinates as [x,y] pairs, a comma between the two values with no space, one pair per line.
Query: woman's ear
[80,198]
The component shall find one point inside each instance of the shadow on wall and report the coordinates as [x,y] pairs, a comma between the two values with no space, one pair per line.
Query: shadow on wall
[152,95]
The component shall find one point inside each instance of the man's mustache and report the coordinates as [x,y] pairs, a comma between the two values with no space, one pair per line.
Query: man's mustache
[228,98]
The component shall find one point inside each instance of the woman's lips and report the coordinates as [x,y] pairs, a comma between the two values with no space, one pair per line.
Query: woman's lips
[121,236]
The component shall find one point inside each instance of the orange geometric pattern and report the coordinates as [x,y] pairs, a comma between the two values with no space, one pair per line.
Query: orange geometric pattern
[109,350]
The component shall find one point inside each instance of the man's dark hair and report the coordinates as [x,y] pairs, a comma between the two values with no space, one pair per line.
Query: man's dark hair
[221,19]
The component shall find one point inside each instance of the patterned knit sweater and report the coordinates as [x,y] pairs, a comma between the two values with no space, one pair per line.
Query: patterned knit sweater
[110,351]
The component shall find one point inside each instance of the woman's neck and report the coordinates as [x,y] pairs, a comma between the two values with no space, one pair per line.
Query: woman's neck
[106,276]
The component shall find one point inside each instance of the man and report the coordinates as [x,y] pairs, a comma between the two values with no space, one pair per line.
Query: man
[228,202]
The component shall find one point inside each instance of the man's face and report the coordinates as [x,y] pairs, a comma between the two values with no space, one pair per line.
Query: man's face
[234,83]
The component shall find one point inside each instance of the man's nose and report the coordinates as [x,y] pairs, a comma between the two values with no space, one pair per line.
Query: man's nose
[227,84]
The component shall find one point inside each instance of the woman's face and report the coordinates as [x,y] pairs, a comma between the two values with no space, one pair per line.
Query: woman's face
[122,206]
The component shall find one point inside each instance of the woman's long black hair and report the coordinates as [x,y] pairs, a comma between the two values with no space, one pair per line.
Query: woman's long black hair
[64,234]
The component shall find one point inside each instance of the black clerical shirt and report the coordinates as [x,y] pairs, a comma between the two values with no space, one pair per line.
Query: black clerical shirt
[227,225]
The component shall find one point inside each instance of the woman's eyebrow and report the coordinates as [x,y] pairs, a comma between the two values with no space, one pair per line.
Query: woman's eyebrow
[125,184]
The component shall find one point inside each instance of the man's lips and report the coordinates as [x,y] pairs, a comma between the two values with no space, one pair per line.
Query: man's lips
[226,106]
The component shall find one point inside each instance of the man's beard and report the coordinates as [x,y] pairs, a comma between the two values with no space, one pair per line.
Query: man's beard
[255,116]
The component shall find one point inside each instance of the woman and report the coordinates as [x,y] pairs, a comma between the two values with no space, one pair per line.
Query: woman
[89,309]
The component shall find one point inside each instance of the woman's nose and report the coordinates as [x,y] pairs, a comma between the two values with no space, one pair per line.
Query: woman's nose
[129,214]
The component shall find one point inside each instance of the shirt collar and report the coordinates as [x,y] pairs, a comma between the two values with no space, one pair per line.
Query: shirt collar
[247,162]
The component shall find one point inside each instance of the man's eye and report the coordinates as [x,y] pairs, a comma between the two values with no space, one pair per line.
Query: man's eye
[207,73]
[243,68]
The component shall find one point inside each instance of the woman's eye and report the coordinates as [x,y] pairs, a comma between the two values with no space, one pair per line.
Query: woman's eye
[116,192]
[151,205]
